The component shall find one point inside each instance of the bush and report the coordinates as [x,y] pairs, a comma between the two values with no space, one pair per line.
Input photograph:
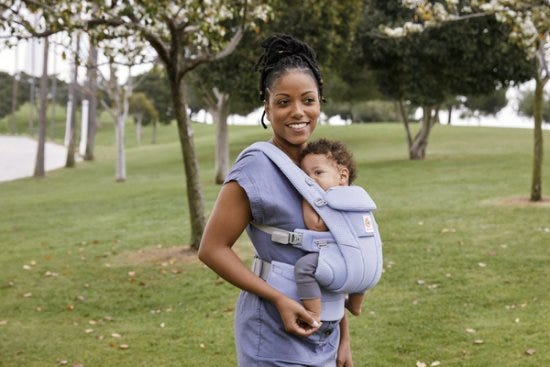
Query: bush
[525,106]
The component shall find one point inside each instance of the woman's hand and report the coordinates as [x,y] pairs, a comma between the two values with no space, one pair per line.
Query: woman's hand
[343,358]
[296,319]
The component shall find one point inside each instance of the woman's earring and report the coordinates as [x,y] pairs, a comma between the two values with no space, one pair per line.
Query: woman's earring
[262,120]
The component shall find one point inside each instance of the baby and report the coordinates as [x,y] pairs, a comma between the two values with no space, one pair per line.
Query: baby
[330,164]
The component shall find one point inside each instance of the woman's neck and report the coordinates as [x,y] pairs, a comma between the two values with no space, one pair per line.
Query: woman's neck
[292,151]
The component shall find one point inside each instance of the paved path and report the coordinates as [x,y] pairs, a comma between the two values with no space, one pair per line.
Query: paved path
[18,156]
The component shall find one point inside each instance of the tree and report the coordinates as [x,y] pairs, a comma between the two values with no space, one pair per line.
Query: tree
[39,170]
[486,104]
[528,27]
[183,35]
[91,92]
[143,111]
[428,68]
[526,102]
[154,84]
[72,105]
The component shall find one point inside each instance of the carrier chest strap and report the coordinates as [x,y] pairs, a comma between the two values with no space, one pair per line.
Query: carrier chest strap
[280,235]
[304,239]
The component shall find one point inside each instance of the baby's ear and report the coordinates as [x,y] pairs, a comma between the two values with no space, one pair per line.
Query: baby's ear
[344,176]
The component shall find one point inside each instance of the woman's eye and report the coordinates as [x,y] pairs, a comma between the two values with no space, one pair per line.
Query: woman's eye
[310,100]
[282,102]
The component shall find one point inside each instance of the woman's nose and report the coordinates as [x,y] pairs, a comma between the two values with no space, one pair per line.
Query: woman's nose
[297,110]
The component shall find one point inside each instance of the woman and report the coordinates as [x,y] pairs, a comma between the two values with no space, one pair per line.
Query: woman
[272,329]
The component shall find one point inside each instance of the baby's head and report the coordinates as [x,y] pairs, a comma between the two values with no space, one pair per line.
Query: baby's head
[329,163]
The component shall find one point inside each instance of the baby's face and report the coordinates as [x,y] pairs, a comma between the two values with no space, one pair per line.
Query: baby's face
[325,171]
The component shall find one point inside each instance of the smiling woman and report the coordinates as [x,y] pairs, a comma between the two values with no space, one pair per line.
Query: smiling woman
[272,328]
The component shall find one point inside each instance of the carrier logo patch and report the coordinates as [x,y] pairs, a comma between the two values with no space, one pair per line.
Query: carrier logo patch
[367,222]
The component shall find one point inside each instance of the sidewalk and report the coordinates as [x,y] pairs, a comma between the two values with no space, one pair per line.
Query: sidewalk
[18,156]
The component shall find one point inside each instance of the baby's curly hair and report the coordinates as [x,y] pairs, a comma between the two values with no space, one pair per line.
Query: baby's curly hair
[333,149]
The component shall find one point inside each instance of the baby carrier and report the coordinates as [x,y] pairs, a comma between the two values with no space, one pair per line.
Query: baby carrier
[350,253]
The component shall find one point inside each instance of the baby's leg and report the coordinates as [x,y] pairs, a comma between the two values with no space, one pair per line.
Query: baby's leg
[308,288]
[353,303]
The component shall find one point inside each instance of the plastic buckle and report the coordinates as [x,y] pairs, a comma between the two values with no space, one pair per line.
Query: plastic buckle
[294,238]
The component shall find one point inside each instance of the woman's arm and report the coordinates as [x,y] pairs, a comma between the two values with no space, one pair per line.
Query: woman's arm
[343,358]
[229,218]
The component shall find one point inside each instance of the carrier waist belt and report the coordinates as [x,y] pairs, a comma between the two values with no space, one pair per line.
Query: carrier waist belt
[281,277]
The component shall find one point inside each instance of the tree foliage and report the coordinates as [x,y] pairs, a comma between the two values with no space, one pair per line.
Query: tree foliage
[528,23]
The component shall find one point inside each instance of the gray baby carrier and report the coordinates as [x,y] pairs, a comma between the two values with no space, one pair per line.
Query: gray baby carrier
[350,254]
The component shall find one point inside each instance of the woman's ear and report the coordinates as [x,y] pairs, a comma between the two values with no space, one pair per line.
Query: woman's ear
[267,111]
[344,176]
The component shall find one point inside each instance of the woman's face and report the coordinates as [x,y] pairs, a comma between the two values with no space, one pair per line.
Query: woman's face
[293,108]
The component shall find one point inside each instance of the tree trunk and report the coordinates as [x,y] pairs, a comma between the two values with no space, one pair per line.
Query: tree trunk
[92,106]
[154,137]
[418,148]
[120,174]
[405,119]
[70,162]
[190,164]
[220,115]
[449,117]
[122,108]
[536,181]
[139,126]
[39,170]
[14,101]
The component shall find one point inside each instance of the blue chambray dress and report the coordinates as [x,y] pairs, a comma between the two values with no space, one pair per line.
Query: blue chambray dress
[259,334]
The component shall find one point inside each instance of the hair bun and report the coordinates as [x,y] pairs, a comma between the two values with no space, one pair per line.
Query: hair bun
[279,46]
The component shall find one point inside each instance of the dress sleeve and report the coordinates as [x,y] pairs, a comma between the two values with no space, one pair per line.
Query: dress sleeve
[248,172]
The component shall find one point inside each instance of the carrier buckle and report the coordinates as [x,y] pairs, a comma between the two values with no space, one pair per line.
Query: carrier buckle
[285,237]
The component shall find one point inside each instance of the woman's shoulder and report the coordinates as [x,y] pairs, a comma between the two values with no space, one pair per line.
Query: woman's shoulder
[251,160]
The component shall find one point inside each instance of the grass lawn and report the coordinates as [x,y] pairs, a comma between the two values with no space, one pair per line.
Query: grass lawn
[98,273]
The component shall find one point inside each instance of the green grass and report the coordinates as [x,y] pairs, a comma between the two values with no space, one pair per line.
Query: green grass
[457,256]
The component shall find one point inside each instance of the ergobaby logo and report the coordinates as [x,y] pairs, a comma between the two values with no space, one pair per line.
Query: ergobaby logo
[367,222]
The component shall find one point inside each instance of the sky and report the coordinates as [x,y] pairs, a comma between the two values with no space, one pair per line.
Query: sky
[27,56]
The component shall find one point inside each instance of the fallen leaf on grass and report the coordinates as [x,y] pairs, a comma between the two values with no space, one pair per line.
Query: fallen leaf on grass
[420,364]
[470,330]
[530,351]
[478,342]
[63,362]
[202,346]
[435,364]
[123,346]
[89,331]
[70,307]
[482,265]
[3,322]
[27,295]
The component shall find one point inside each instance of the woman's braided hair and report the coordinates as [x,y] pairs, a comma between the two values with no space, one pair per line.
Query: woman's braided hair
[283,53]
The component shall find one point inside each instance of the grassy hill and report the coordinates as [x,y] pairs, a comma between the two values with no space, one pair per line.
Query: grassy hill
[99,273]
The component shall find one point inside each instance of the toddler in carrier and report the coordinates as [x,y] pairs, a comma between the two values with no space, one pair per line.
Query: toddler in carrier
[330,164]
